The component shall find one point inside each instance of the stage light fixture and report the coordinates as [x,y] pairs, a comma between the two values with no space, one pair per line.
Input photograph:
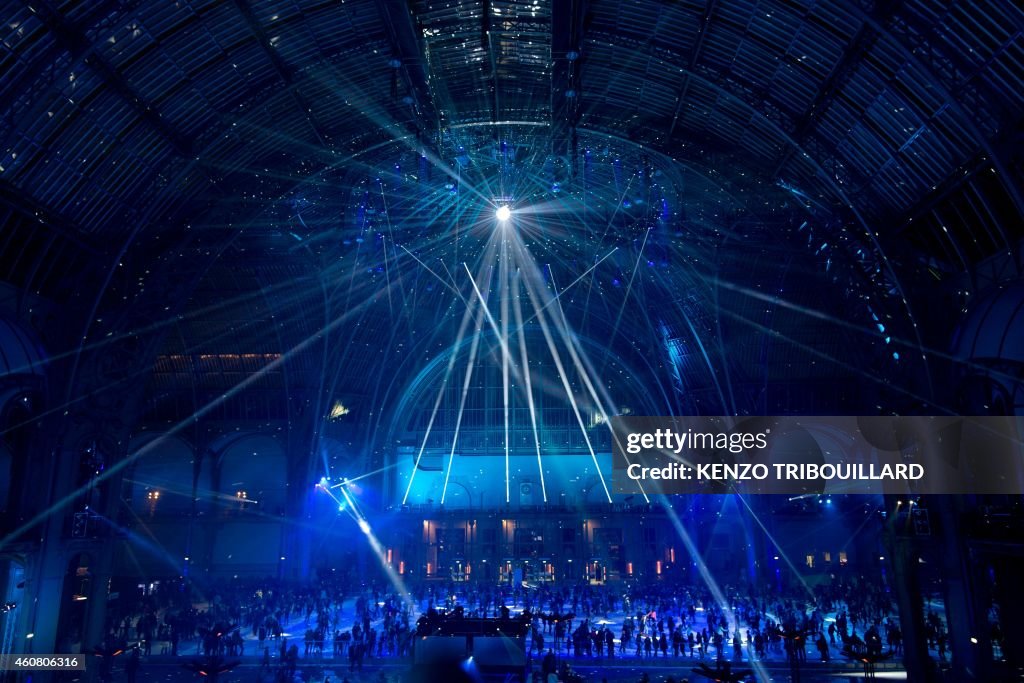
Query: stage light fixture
[503,213]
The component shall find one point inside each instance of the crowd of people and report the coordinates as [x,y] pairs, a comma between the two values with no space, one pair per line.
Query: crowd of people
[285,623]
[663,621]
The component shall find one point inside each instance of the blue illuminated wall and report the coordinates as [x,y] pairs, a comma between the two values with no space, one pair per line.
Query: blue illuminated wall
[479,481]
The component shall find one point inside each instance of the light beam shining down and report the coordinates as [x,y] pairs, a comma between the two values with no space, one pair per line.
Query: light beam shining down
[503,213]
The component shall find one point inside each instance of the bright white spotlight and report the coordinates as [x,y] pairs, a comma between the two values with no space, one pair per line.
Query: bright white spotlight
[503,213]
[364,526]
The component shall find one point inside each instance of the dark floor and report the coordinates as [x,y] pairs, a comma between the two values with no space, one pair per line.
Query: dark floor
[812,672]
